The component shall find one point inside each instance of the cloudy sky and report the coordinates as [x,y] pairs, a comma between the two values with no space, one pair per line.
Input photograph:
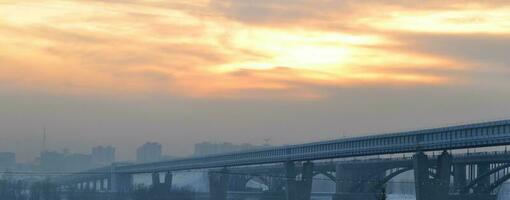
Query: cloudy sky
[123,72]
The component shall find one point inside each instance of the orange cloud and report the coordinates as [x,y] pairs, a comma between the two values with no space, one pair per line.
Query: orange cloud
[229,49]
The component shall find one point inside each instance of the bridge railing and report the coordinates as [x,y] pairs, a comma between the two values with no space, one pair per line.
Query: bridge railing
[456,137]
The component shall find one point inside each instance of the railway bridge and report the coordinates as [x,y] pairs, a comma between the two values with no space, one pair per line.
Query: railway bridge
[291,168]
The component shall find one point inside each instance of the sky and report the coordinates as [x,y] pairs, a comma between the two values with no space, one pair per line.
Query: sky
[179,72]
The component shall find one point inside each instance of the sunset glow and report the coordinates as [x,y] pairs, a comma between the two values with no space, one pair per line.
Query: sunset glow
[210,49]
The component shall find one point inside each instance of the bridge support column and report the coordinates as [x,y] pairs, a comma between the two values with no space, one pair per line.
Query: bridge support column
[120,183]
[435,188]
[298,189]
[94,185]
[290,179]
[442,180]
[423,183]
[101,185]
[218,185]
[155,180]
[168,180]
[459,176]
[305,185]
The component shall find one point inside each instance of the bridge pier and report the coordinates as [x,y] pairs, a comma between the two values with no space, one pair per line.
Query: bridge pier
[305,185]
[298,189]
[120,183]
[459,176]
[155,180]
[435,187]
[443,174]
[218,185]
[290,179]
[101,185]
[168,180]
[94,185]
[422,180]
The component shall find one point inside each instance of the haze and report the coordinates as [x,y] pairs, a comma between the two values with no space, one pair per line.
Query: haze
[177,72]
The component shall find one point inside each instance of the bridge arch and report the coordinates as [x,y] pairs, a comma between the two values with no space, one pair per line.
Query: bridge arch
[493,186]
[323,182]
[375,177]
[326,174]
[386,179]
[393,175]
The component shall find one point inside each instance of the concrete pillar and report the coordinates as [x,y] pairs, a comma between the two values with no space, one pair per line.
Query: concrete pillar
[168,180]
[305,184]
[290,179]
[484,183]
[443,178]
[155,180]
[120,183]
[436,188]
[218,185]
[298,189]
[421,176]
[109,185]
[101,185]
[459,176]
[94,185]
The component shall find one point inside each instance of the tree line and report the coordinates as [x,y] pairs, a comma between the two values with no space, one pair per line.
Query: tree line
[45,190]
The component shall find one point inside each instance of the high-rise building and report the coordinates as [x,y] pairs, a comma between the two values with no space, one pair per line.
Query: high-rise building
[207,148]
[149,152]
[103,155]
[7,160]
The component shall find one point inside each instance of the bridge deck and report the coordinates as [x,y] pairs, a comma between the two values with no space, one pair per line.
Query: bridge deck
[455,137]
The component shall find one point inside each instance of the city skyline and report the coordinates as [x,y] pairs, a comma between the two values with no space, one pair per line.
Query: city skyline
[122,73]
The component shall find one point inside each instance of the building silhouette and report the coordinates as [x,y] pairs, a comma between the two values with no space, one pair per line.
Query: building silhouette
[103,155]
[149,152]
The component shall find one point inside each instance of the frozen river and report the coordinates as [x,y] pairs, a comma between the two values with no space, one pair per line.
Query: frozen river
[400,188]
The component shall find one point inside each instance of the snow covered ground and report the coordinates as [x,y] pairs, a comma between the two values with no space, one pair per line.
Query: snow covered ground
[504,192]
